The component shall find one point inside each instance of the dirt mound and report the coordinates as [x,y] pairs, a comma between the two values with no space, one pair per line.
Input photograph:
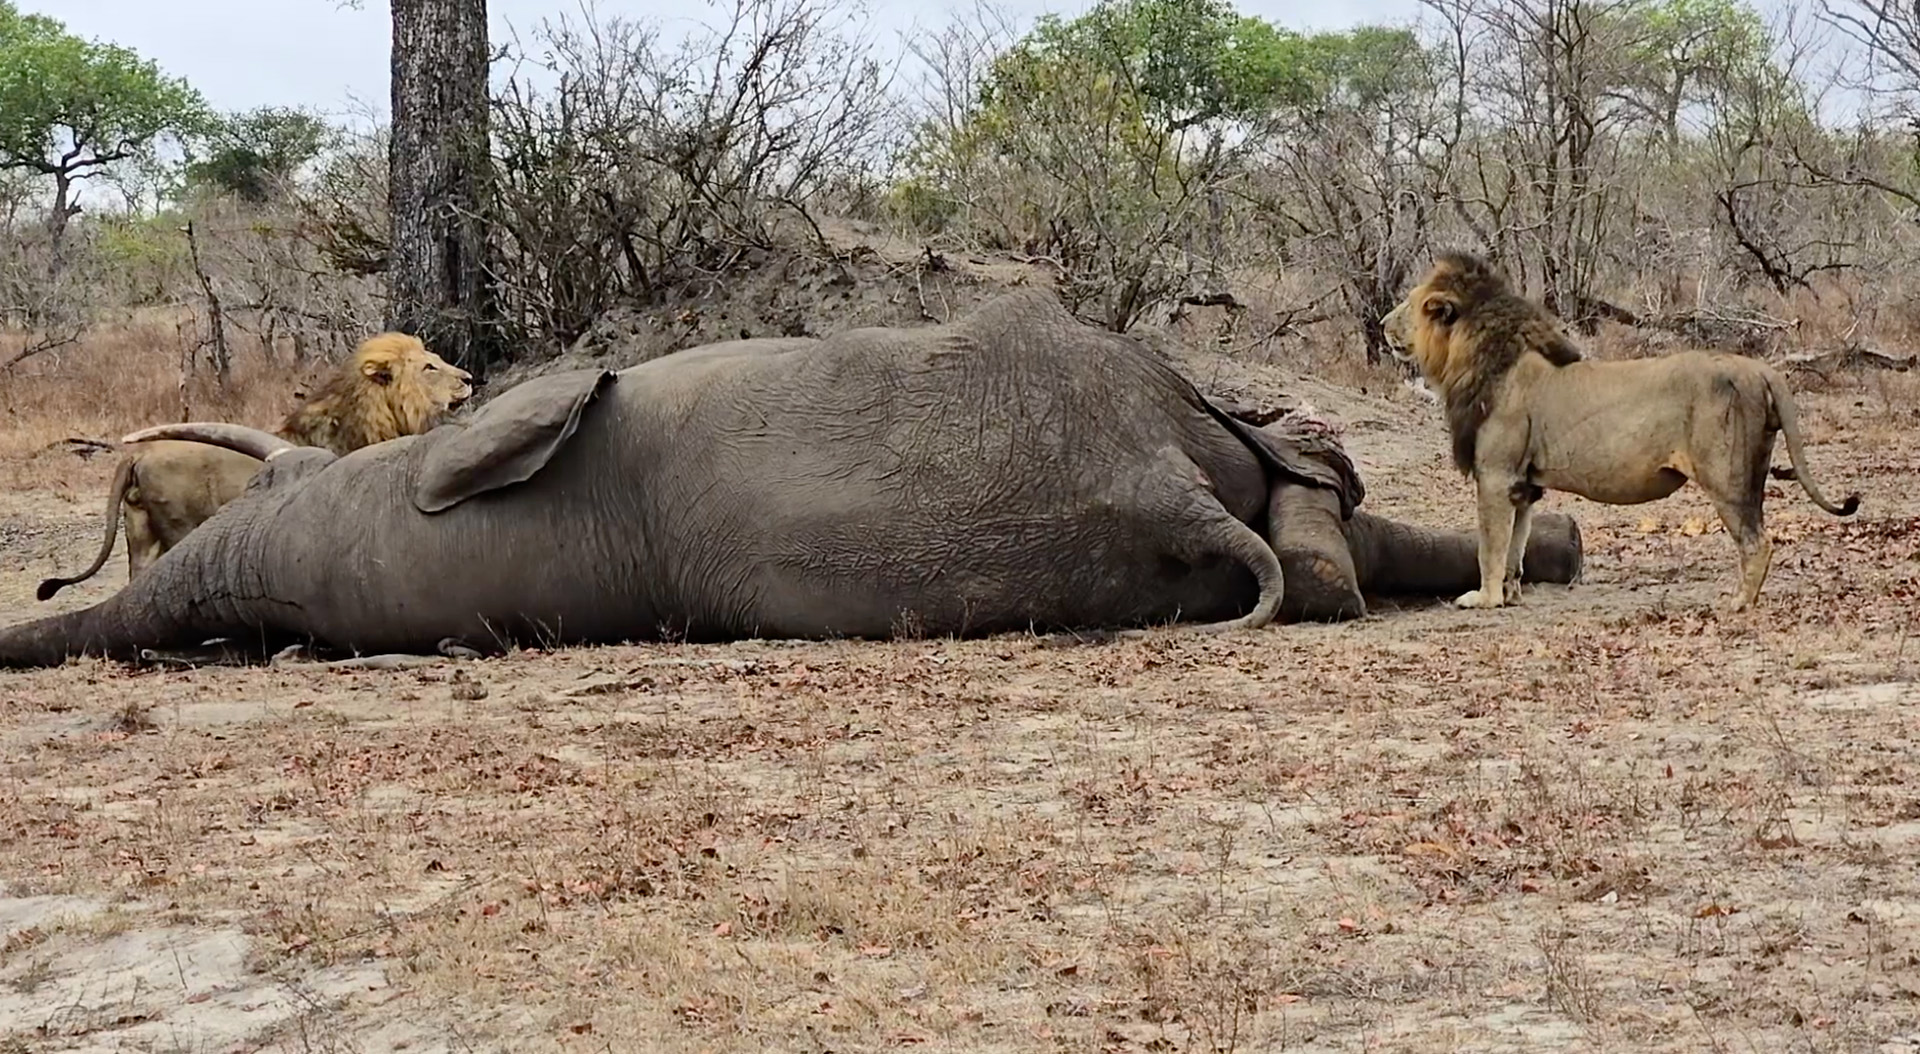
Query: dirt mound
[861,277]
[864,277]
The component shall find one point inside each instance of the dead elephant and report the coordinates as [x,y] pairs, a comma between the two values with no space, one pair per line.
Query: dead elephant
[1013,470]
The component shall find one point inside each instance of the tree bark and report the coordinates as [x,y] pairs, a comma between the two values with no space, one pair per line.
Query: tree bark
[63,209]
[437,282]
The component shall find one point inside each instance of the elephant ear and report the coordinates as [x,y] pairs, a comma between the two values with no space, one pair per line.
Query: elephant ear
[508,440]
[1310,455]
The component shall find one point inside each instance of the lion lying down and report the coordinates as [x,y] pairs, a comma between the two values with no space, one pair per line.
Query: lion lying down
[1528,413]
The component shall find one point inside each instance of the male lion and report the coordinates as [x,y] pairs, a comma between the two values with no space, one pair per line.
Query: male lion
[1528,413]
[392,386]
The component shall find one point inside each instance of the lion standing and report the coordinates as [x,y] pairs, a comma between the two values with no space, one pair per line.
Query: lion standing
[1528,413]
[391,387]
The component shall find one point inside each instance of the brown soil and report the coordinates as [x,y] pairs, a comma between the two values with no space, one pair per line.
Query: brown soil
[1608,820]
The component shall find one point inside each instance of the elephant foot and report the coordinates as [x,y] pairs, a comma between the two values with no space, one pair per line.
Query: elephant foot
[1304,530]
[1555,552]
[1319,587]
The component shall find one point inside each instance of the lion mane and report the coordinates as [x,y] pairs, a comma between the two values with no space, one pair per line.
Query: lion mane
[392,387]
[1469,328]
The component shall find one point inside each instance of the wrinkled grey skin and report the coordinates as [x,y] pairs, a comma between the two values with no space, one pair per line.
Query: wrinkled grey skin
[1014,470]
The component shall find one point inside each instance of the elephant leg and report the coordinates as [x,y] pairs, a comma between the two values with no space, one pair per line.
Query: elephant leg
[1304,528]
[1199,527]
[1390,557]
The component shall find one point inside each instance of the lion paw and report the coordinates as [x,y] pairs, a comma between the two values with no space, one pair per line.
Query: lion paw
[1477,599]
[1511,587]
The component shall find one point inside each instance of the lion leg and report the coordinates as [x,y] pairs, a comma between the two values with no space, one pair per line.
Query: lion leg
[1497,513]
[1745,522]
[144,544]
[1736,482]
[1517,548]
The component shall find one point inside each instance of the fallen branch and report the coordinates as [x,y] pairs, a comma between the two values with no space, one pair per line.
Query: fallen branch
[1747,333]
[1852,356]
[1588,310]
[47,342]
[1226,300]
[83,447]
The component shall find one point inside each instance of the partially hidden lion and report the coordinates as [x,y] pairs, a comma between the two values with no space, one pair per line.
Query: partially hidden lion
[392,386]
[1528,412]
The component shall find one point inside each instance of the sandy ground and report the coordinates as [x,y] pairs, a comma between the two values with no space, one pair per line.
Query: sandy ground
[1609,820]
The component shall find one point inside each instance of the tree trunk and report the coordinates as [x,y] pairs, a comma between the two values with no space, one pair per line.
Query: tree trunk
[437,282]
[1375,335]
[63,209]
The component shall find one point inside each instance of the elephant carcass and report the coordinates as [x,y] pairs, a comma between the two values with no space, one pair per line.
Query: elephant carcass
[1016,469]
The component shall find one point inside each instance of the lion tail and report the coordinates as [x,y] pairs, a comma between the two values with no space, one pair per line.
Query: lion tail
[118,490]
[1788,418]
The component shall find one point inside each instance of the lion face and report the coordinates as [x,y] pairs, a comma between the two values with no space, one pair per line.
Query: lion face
[393,386]
[399,361]
[1420,329]
[1393,326]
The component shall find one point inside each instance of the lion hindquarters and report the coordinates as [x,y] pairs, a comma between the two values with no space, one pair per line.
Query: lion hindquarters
[181,485]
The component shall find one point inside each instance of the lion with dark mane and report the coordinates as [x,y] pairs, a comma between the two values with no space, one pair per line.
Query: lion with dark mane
[391,387]
[1527,412]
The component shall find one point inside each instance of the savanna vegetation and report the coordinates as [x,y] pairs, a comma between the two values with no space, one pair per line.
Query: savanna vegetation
[1690,167]
[1608,819]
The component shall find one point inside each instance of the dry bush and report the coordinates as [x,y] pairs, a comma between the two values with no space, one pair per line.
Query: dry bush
[1068,159]
[47,298]
[274,282]
[342,209]
[645,171]
[126,375]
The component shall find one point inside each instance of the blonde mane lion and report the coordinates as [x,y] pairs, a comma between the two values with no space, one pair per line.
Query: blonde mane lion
[393,386]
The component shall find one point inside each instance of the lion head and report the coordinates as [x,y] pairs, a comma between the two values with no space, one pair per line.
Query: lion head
[1464,327]
[391,387]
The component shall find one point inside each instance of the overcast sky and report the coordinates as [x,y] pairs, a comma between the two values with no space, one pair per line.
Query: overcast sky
[320,54]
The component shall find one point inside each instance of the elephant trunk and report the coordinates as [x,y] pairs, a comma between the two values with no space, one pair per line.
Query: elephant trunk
[116,628]
[49,641]
[1401,558]
[192,593]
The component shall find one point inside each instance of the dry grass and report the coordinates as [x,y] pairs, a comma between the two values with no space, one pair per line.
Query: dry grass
[1588,835]
[1609,820]
[125,376]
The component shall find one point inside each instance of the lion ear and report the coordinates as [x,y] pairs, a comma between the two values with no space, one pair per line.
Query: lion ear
[509,440]
[378,371]
[1440,308]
